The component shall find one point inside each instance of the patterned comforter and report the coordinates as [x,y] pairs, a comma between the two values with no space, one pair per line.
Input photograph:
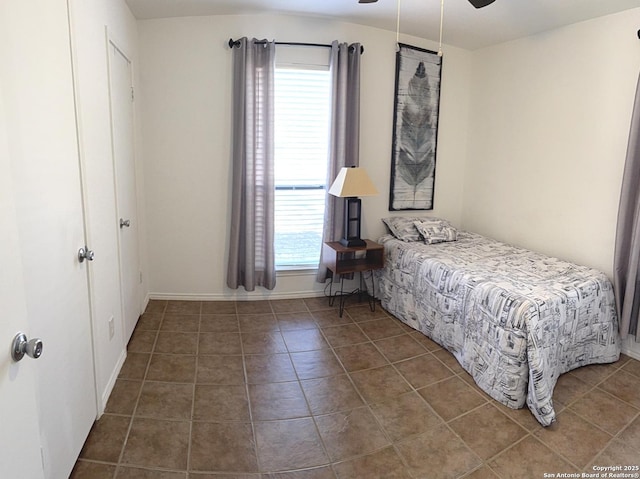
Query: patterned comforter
[514,319]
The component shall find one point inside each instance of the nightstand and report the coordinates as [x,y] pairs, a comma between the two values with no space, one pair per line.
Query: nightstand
[343,260]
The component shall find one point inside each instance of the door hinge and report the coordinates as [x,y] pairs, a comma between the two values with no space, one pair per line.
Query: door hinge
[132,95]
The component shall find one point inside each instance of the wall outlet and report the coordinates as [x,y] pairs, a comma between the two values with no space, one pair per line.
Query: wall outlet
[112,330]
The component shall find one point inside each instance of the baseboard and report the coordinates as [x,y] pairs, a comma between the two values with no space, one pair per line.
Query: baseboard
[145,302]
[631,348]
[111,383]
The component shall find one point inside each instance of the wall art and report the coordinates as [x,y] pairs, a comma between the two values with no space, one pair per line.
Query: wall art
[415,128]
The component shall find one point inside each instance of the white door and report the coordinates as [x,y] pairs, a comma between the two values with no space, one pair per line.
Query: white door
[124,162]
[40,119]
[20,434]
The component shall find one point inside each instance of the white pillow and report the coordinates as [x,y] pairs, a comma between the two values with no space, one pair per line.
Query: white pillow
[403,228]
[436,231]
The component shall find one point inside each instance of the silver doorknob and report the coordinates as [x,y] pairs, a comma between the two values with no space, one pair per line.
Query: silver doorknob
[20,347]
[124,223]
[85,253]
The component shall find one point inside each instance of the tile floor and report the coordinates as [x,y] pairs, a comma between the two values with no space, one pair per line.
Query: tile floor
[288,389]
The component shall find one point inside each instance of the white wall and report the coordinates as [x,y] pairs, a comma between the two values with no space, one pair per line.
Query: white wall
[186,116]
[89,18]
[531,144]
[548,133]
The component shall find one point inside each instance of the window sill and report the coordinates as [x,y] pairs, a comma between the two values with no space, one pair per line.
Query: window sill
[299,271]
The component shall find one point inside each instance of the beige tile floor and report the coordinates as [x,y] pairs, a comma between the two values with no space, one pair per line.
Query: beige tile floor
[288,389]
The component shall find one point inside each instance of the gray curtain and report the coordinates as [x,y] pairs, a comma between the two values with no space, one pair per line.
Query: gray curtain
[344,142]
[627,252]
[251,245]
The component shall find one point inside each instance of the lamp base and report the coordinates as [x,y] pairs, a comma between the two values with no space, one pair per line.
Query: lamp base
[351,239]
[352,242]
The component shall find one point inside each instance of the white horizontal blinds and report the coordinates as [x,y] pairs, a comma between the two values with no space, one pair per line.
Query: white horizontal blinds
[257,205]
[302,112]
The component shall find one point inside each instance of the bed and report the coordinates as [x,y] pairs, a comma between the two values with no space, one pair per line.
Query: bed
[514,319]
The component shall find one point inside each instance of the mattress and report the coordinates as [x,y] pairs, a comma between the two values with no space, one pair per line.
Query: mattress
[514,319]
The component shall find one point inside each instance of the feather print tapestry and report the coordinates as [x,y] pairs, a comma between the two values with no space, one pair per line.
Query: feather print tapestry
[417,100]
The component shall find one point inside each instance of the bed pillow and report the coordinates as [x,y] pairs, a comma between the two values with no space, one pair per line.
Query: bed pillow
[403,227]
[436,231]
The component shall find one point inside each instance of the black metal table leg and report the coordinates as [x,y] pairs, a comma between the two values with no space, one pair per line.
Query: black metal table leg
[341,294]
[372,297]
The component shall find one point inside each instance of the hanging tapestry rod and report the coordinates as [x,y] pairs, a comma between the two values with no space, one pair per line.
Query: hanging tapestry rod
[236,43]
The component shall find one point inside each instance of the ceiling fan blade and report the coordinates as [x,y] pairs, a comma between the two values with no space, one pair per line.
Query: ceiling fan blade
[475,3]
[481,3]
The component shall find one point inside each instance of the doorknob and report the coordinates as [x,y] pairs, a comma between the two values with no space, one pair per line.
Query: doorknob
[85,253]
[124,223]
[20,347]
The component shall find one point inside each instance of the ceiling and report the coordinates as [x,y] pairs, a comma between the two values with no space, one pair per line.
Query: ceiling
[464,26]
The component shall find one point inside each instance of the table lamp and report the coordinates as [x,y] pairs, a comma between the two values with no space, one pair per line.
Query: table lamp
[350,183]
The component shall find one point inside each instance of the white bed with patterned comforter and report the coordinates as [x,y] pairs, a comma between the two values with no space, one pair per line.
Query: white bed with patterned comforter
[514,319]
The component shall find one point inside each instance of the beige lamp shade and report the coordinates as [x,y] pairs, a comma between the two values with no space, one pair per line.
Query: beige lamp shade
[352,182]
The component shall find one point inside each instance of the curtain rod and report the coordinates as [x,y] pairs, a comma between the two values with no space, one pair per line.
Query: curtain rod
[235,43]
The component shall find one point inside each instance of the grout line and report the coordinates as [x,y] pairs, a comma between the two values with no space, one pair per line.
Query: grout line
[247,392]
[193,390]
[306,400]
[414,390]
[487,400]
[365,402]
[485,462]
[119,465]
[615,438]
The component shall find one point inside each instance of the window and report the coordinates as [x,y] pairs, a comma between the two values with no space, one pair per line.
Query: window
[302,116]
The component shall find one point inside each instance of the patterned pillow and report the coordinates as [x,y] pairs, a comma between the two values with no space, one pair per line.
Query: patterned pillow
[436,231]
[403,228]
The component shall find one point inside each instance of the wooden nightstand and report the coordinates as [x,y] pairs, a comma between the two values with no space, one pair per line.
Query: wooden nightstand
[343,260]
